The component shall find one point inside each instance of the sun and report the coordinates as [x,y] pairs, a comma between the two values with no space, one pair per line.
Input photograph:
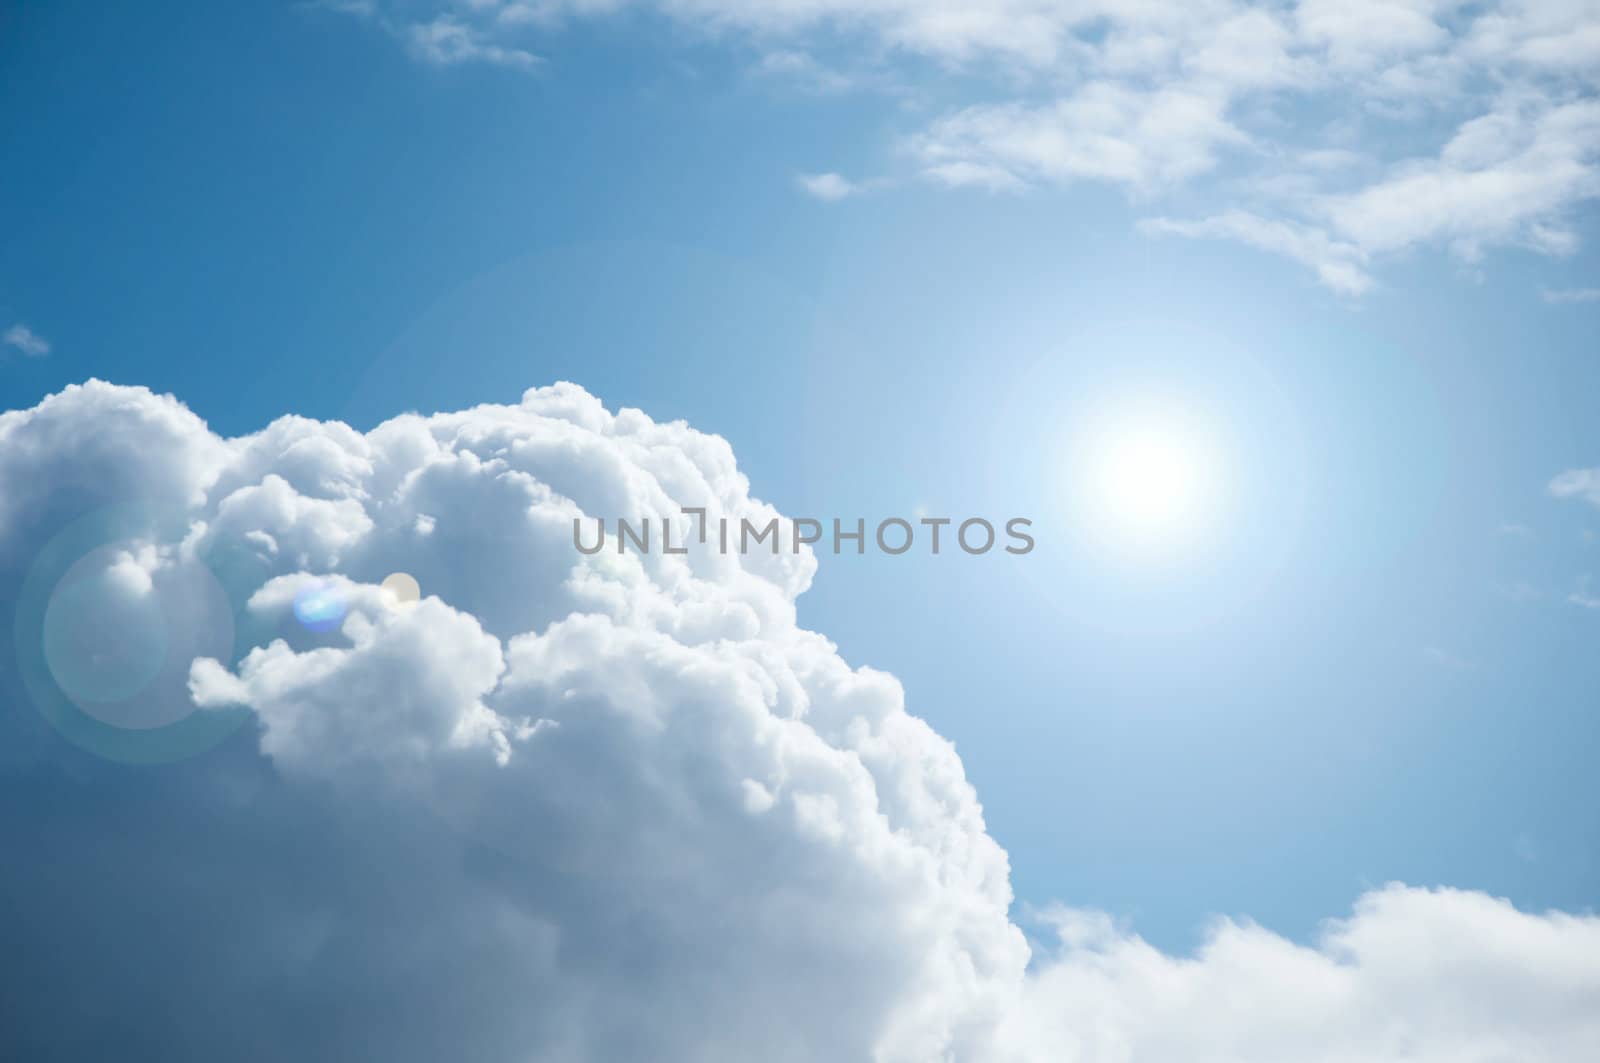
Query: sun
[1151,479]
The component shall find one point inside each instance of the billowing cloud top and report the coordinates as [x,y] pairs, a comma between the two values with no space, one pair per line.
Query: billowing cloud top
[569,807]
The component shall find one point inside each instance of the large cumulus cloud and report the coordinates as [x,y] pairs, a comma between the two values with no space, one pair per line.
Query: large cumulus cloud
[602,807]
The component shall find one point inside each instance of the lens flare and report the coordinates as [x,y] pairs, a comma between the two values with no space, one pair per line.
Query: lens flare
[320,606]
[105,638]
[403,586]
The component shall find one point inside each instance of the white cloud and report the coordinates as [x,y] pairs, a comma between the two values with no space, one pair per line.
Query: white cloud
[1558,35]
[1429,976]
[829,187]
[655,734]
[1459,128]
[612,807]
[446,41]
[832,187]
[453,34]
[1577,483]
[1362,34]
[1339,265]
[1584,595]
[20,337]
[801,68]
[1163,100]
[1573,295]
[1104,132]
[428,667]
[1506,177]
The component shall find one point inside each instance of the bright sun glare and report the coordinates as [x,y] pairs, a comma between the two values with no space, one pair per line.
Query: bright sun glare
[1151,481]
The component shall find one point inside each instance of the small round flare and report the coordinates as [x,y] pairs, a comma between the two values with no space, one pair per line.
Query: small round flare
[403,586]
[320,606]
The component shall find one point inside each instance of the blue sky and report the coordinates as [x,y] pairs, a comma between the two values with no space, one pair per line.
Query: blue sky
[853,247]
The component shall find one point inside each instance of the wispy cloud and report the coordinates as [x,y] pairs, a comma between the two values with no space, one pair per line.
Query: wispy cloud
[445,38]
[1518,591]
[20,337]
[1339,265]
[1450,662]
[1573,295]
[1462,129]
[832,187]
[1104,132]
[829,187]
[446,42]
[802,68]
[1585,595]
[345,7]
[1578,483]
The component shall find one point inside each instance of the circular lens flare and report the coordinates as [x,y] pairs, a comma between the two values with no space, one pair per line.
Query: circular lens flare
[403,586]
[121,628]
[320,606]
[105,638]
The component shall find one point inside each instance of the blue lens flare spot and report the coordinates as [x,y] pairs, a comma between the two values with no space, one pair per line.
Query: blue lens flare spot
[320,606]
